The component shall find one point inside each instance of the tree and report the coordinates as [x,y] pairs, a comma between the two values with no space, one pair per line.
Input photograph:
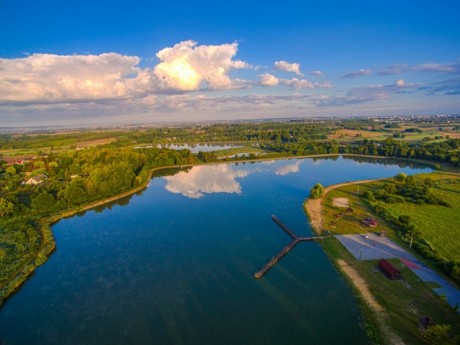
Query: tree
[44,202]
[6,207]
[317,191]
[401,177]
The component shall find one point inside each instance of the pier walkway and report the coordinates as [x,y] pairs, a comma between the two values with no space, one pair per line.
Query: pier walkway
[285,250]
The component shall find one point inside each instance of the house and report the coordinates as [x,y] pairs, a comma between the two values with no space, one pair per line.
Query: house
[370,222]
[37,179]
[389,269]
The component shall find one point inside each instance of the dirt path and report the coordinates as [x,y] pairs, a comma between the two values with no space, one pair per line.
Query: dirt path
[380,316]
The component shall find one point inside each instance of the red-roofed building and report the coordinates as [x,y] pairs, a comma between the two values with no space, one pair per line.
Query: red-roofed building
[389,269]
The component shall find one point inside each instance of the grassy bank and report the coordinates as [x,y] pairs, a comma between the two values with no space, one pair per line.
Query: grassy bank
[393,310]
[403,302]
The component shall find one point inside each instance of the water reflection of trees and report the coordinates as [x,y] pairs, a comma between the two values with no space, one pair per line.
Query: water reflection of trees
[387,161]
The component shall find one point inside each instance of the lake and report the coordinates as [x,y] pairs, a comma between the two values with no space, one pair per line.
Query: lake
[175,264]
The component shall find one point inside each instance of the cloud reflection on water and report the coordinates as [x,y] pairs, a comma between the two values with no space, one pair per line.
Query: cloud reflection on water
[201,180]
[289,169]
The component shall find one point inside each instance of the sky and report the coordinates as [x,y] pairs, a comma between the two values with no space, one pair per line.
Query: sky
[103,62]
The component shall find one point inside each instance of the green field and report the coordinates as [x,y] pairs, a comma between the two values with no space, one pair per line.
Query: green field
[439,225]
[339,222]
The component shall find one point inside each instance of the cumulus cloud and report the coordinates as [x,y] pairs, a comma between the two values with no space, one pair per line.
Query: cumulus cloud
[202,180]
[289,169]
[186,66]
[288,67]
[356,74]
[268,80]
[48,77]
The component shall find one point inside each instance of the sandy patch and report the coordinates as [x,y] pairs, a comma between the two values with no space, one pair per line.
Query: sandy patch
[340,202]
[381,316]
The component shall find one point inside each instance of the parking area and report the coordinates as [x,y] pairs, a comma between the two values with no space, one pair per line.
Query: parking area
[373,247]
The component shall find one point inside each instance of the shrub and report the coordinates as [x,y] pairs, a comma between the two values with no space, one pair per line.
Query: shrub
[317,191]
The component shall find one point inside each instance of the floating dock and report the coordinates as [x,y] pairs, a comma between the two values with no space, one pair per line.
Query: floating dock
[285,250]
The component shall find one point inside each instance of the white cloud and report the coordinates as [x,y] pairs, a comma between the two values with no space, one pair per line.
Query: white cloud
[268,80]
[316,73]
[202,180]
[304,84]
[186,66]
[51,78]
[288,67]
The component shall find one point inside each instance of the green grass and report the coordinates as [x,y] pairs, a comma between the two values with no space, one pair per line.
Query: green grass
[350,223]
[439,225]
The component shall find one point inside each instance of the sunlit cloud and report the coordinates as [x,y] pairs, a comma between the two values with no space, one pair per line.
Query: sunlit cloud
[268,80]
[187,66]
[50,78]
[201,180]
[288,67]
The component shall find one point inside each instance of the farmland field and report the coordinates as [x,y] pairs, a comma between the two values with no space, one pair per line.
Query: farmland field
[437,224]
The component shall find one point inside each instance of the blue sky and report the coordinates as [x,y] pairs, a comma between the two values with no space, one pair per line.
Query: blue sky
[108,62]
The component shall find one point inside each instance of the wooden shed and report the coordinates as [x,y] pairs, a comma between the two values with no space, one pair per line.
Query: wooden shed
[389,269]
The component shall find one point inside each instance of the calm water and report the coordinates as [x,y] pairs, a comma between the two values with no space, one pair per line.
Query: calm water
[175,265]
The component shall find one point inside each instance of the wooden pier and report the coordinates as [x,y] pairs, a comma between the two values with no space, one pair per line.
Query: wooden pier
[285,250]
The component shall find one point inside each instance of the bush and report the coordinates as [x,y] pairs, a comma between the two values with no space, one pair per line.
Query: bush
[317,191]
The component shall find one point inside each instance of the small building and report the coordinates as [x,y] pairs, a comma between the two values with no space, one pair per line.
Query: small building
[37,179]
[389,269]
[370,222]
